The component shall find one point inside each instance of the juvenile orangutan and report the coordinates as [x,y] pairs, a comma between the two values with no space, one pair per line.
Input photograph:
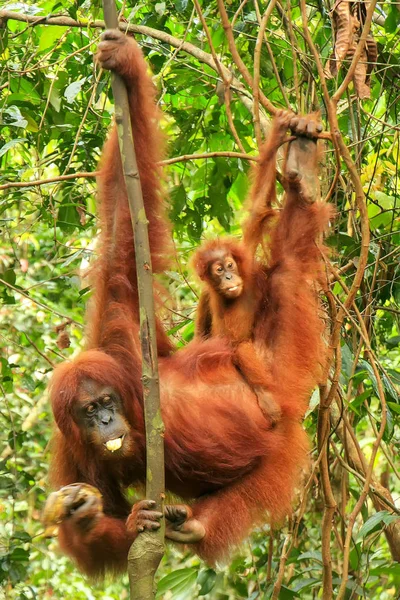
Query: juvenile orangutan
[232,295]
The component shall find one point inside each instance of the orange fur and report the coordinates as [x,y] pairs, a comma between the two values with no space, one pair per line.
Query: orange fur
[234,318]
[220,453]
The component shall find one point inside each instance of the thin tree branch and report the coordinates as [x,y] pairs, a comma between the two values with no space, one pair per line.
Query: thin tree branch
[226,82]
[147,549]
[168,161]
[237,58]
[256,70]
[35,182]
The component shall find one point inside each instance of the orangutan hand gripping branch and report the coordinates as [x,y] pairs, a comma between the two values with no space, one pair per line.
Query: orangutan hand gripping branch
[221,454]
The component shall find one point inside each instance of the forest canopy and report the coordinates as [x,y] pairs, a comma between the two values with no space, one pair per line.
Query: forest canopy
[209,60]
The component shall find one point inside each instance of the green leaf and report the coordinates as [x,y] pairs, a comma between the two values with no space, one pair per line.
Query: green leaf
[178,201]
[160,8]
[393,342]
[392,20]
[206,581]
[177,582]
[181,5]
[11,144]
[68,217]
[365,365]
[17,119]
[312,555]
[179,326]
[55,99]
[394,407]
[389,387]
[49,35]
[9,276]
[386,202]
[389,429]
[359,400]
[6,483]
[375,522]
[20,555]
[304,584]
[73,89]
[287,594]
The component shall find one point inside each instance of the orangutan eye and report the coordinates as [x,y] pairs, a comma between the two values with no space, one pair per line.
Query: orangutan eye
[230,265]
[107,402]
[90,410]
[219,269]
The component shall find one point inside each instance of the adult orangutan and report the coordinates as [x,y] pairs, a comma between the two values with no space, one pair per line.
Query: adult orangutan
[222,457]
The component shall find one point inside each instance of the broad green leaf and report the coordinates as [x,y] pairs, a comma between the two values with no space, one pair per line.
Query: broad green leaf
[49,35]
[15,117]
[394,407]
[311,555]
[177,582]
[160,7]
[10,145]
[181,5]
[386,202]
[375,522]
[68,217]
[73,89]
[206,580]
[392,20]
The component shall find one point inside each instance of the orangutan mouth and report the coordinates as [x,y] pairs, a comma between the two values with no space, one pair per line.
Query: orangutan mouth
[115,444]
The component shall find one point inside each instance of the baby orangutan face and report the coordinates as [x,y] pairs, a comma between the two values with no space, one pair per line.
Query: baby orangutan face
[225,278]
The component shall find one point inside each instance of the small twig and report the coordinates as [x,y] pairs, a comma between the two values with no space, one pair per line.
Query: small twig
[32,343]
[169,161]
[256,70]
[44,306]
[270,553]
[237,58]
[35,182]
[226,154]
[237,13]
[225,80]
[282,563]
[293,45]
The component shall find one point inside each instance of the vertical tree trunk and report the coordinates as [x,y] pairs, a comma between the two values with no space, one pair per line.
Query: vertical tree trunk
[148,549]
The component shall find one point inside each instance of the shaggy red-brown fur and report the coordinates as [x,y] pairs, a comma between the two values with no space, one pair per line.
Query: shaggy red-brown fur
[220,453]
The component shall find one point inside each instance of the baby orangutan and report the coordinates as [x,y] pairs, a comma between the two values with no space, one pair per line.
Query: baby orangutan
[235,281]
[227,308]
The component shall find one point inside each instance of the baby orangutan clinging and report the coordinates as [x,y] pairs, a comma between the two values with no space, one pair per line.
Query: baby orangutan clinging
[227,308]
[234,291]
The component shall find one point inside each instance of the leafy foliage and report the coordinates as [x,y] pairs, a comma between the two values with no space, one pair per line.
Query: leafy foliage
[56,108]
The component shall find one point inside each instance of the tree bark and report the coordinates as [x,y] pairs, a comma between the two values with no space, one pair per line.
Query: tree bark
[147,550]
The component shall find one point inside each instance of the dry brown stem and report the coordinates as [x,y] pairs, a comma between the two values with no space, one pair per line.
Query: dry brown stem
[238,60]
[225,80]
